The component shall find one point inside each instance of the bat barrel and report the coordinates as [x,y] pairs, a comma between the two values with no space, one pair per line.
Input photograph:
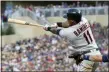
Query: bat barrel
[21,22]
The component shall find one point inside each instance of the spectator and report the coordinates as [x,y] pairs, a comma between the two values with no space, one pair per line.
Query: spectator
[37,12]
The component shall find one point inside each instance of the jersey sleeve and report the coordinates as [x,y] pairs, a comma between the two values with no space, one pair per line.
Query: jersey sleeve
[63,33]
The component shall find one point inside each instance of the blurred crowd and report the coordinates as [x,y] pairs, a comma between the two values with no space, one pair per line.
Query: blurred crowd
[48,53]
[76,4]
[36,8]
[71,5]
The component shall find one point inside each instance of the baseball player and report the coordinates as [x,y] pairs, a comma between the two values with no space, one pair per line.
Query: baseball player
[79,33]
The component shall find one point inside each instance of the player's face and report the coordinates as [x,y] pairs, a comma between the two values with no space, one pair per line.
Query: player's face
[71,22]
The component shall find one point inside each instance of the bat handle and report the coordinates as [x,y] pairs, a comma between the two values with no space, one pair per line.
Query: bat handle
[5,18]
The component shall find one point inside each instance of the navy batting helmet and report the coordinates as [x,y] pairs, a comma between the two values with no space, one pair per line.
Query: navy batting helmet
[73,14]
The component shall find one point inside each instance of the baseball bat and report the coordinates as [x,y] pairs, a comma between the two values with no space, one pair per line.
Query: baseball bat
[21,22]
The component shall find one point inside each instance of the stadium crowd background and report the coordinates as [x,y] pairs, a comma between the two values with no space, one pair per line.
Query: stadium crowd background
[36,8]
[48,52]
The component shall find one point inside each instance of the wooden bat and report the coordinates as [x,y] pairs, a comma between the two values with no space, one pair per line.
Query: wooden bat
[21,22]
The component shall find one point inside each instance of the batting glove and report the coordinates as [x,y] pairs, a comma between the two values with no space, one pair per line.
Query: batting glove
[47,28]
[54,25]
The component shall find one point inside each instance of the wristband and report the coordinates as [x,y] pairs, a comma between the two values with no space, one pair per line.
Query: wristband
[49,28]
[86,57]
[105,58]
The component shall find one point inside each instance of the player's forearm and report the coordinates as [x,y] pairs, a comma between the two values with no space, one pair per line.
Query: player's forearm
[59,24]
[54,30]
[63,24]
[96,58]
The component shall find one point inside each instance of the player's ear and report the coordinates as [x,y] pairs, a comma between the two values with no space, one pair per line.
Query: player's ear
[70,22]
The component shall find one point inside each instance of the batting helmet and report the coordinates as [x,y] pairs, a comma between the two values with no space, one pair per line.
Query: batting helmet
[73,14]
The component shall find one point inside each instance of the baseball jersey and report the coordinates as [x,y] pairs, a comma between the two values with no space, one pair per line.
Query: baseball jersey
[80,35]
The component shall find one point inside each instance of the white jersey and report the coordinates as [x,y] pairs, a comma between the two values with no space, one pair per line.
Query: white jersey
[80,35]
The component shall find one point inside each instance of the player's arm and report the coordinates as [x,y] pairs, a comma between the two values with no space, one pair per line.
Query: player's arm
[96,58]
[60,32]
[61,24]
[53,30]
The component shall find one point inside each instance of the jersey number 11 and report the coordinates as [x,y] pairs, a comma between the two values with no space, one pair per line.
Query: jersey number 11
[87,37]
